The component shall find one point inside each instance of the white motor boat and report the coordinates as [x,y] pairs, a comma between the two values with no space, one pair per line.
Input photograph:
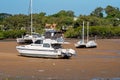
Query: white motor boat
[45,48]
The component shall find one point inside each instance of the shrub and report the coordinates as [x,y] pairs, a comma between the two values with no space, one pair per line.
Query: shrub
[73,32]
[99,31]
[13,33]
[1,35]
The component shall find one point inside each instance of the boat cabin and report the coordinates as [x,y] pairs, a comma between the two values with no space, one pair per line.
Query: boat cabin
[48,43]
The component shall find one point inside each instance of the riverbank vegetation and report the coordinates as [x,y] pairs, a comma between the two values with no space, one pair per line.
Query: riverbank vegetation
[103,22]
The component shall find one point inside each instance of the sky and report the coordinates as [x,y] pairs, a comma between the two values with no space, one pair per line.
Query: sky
[79,7]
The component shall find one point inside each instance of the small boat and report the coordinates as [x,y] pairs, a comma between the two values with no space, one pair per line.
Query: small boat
[89,43]
[47,48]
[81,43]
[28,38]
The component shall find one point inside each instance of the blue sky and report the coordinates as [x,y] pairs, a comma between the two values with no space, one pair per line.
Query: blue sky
[83,7]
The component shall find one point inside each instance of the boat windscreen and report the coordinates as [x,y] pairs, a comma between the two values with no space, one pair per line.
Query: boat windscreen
[36,35]
[39,42]
[56,46]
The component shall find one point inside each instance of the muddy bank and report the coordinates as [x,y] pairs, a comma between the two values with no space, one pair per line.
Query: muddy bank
[98,63]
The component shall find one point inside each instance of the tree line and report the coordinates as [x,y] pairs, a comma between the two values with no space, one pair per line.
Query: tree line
[103,22]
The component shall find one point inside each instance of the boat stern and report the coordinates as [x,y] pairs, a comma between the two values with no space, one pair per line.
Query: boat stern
[67,53]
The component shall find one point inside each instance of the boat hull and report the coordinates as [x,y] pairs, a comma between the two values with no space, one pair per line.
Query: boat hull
[20,40]
[39,55]
[91,44]
[37,52]
[80,44]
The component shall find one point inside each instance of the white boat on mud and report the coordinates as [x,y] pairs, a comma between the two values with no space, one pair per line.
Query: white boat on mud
[81,43]
[28,38]
[89,43]
[46,48]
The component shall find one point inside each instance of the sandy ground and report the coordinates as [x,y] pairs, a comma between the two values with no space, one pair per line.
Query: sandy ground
[101,63]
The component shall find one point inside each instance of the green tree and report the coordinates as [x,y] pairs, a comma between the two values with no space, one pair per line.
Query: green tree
[111,11]
[4,15]
[98,12]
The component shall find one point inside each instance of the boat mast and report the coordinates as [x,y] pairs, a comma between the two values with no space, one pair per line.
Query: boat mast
[31,22]
[87,31]
[83,33]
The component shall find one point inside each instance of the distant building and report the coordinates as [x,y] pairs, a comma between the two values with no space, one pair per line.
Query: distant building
[50,26]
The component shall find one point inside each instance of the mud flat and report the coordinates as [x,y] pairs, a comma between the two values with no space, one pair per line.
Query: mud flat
[101,63]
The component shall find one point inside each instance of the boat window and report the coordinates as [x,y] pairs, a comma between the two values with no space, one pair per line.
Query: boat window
[60,39]
[56,46]
[36,35]
[46,45]
[39,42]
